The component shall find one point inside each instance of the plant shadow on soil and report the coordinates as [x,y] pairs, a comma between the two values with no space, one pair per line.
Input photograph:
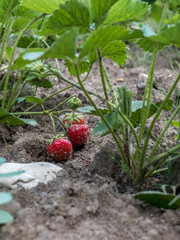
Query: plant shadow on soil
[92,200]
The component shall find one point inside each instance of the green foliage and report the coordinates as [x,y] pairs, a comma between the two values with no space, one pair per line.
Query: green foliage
[10,119]
[101,37]
[114,120]
[44,6]
[71,14]
[6,217]
[99,9]
[159,199]
[126,10]
[83,67]
[91,110]
[27,41]
[64,47]
[115,50]
[5,198]
[4,4]
[137,109]
[149,1]
[168,35]
[32,99]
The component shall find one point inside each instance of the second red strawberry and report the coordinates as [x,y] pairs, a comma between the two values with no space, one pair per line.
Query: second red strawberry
[78,134]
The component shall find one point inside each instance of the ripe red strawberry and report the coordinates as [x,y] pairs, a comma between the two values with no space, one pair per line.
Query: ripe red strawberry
[73,118]
[60,149]
[78,134]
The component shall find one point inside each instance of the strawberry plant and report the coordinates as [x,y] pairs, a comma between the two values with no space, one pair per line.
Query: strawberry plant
[107,25]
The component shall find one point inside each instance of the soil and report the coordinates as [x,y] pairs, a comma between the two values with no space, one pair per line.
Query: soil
[92,201]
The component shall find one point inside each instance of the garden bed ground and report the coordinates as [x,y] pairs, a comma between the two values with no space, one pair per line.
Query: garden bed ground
[91,200]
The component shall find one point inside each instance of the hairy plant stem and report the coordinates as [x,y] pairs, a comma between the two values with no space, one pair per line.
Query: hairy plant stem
[46,112]
[11,59]
[162,134]
[59,120]
[17,95]
[53,124]
[59,75]
[147,101]
[161,24]
[144,116]
[5,37]
[113,94]
[62,90]
[119,144]
[61,103]
[50,96]
[7,15]
[14,91]
[103,80]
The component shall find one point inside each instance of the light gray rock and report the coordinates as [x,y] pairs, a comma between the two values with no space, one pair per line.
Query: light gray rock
[37,172]
[141,83]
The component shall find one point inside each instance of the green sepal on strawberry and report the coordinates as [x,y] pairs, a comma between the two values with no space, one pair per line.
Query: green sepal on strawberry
[60,149]
[78,134]
[73,118]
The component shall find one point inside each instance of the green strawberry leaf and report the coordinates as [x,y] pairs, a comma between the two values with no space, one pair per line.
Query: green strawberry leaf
[100,8]
[116,51]
[32,99]
[175,124]
[167,36]
[22,11]
[83,66]
[126,10]
[2,160]
[91,110]
[44,6]
[5,197]
[64,47]
[19,24]
[113,119]
[70,14]
[10,119]
[159,199]
[101,37]
[5,217]
[148,45]
[4,4]
[92,57]
[26,41]
[137,110]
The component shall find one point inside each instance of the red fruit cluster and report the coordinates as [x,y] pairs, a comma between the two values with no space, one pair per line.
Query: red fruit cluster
[78,133]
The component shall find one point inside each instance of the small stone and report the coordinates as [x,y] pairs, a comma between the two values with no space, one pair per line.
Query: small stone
[35,173]
[153,233]
[141,83]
